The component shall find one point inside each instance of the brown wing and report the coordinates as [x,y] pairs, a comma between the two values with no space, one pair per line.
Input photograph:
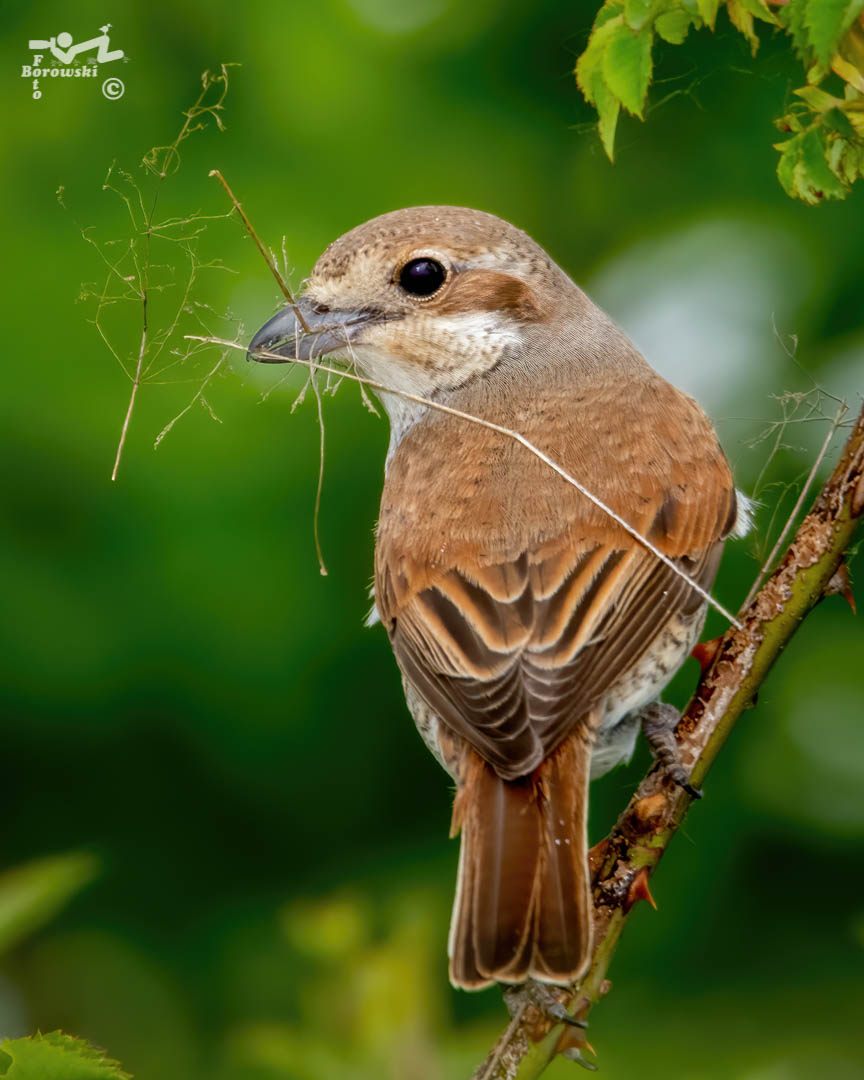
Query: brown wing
[512,653]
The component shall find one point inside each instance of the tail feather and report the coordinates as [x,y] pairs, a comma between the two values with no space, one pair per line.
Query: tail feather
[522,903]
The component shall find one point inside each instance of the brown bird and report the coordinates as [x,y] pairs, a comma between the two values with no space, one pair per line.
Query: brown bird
[530,627]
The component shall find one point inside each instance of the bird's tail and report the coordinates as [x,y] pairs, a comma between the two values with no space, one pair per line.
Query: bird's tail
[523,904]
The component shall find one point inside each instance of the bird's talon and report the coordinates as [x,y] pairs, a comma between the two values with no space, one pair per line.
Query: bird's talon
[541,997]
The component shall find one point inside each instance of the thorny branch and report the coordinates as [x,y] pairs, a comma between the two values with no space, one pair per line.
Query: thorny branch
[623,863]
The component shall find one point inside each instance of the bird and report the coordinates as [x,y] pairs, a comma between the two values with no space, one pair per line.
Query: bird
[532,629]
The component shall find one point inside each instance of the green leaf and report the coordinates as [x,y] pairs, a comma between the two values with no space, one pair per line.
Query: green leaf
[791,16]
[805,169]
[789,154]
[854,112]
[760,10]
[674,26]
[610,10]
[591,61]
[627,66]
[818,100]
[837,120]
[814,179]
[708,11]
[608,108]
[844,159]
[33,894]
[592,82]
[827,21]
[789,122]
[851,74]
[56,1056]
[638,12]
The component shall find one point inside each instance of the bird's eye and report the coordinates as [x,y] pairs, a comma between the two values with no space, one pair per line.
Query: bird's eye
[422,277]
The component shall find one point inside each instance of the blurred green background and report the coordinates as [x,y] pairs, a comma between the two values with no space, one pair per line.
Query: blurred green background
[185,697]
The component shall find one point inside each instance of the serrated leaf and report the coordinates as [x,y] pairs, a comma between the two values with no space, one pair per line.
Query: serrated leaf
[791,16]
[627,66]
[818,100]
[814,179]
[708,11]
[56,1056]
[608,108]
[591,61]
[827,21]
[742,20]
[674,26]
[33,894]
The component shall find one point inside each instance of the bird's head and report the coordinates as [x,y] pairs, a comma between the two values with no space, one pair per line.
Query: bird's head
[422,300]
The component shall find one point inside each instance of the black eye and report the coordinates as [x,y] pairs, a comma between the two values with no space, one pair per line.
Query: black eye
[422,277]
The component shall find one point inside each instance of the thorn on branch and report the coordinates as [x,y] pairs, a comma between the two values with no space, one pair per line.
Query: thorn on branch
[841,585]
[639,891]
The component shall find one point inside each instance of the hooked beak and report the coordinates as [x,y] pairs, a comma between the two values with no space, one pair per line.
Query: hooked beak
[329,331]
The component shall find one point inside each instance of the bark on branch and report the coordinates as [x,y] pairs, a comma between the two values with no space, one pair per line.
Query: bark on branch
[626,859]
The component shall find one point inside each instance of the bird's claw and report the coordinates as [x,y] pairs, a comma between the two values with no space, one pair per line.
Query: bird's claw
[659,721]
[539,995]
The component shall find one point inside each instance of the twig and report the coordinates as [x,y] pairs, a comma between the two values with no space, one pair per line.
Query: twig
[743,660]
[286,292]
[508,433]
[136,382]
[159,161]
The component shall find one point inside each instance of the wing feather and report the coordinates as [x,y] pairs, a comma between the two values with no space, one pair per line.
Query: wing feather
[516,606]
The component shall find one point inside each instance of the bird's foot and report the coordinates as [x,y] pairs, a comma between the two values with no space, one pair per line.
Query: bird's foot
[543,999]
[549,1009]
[658,724]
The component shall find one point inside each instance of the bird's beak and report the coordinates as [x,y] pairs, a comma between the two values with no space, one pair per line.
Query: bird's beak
[284,335]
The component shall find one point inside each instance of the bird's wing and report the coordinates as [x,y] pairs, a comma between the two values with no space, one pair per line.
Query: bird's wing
[513,653]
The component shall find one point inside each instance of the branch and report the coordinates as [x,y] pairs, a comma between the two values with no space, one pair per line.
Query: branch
[625,860]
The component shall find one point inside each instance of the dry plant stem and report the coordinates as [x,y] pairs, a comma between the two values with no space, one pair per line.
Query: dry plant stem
[169,159]
[799,502]
[313,365]
[643,831]
[286,292]
[136,382]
